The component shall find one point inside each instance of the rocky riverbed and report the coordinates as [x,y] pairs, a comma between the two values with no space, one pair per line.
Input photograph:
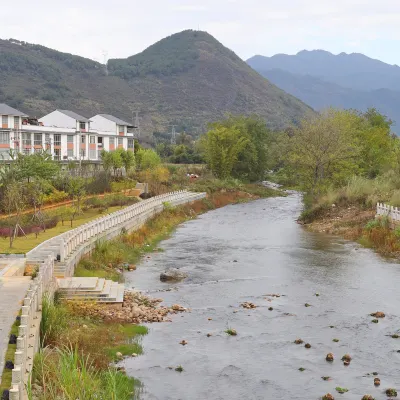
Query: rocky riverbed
[253,270]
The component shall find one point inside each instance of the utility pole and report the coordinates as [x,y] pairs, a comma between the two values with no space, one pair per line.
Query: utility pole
[136,123]
[173,134]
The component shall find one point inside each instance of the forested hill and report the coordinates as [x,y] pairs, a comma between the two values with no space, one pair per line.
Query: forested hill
[322,79]
[187,79]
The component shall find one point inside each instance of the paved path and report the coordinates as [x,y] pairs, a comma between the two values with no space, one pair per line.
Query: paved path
[12,293]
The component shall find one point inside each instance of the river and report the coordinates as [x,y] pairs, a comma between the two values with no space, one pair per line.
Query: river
[242,253]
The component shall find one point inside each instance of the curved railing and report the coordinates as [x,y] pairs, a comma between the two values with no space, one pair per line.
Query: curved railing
[74,243]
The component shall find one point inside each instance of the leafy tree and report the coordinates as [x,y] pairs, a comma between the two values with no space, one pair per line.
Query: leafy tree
[156,178]
[222,147]
[106,158]
[37,165]
[324,150]
[251,163]
[14,202]
[147,159]
[76,190]
[128,160]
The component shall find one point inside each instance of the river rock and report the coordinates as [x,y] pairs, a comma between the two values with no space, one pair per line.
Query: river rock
[172,274]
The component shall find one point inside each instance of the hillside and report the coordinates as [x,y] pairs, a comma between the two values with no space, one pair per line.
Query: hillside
[187,79]
[322,79]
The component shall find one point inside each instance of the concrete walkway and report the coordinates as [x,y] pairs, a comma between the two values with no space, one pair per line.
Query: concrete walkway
[12,293]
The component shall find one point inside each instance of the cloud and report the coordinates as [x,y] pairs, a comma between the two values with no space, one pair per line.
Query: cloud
[126,27]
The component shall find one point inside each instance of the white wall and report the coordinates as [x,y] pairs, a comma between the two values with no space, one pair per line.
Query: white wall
[58,119]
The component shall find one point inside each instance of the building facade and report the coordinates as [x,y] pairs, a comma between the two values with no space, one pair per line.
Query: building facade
[65,134]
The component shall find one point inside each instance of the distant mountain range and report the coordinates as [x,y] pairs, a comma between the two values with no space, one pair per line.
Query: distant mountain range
[322,79]
[188,79]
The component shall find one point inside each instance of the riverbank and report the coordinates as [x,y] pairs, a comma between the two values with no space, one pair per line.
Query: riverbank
[356,223]
[78,355]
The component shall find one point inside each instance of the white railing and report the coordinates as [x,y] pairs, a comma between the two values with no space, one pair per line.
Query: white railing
[63,246]
[385,210]
[29,329]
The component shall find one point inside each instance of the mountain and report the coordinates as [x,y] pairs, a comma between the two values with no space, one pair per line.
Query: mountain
[187,79]
[322,79]
[355,71]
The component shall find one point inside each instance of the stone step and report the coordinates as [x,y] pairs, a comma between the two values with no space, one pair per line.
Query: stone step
[91,289]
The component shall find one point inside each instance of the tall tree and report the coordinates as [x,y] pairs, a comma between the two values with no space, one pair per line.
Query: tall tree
[222,147]
[324,150]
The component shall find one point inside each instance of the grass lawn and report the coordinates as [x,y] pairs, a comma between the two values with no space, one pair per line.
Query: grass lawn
[24,244]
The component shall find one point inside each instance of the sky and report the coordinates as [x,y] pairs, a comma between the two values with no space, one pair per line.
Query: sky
[121,28]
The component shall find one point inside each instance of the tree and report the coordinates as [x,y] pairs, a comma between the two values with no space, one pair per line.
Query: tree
[324,151]
[251,163]
[76,190]
[37,165]
[14,202]
[106,158]
[36,191]
[155,177]
[128,160]
[222,147]
[147,159]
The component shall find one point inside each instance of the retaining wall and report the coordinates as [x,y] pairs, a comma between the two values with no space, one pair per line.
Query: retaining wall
[58,256]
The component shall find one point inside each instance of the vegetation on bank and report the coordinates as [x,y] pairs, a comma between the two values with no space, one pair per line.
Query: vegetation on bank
[76,356]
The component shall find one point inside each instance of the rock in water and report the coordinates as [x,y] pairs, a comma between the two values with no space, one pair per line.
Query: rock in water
[172,274]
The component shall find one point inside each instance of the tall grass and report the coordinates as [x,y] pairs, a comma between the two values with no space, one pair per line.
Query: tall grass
[54,321]
[359,191]
[68,374]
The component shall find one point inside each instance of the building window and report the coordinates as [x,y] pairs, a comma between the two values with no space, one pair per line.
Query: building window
[70,138]
[99,154]
[120,141]
[70,153]
[92,139]
[92,154]
[83,139]
[4,121]
[100,140]
[36,150]
[57,140]
[112,141]
[57,153]
[130,143]
[26,139]
[16,122]
[37,139]
[4,138]
[83,153]
[121,129]
[27,150]
[82,126]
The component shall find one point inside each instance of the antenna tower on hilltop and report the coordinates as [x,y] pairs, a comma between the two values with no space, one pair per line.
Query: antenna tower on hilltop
[173,134]
[105,59]
[136,123]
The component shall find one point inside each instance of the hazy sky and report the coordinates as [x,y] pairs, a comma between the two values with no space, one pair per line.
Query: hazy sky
[248,27]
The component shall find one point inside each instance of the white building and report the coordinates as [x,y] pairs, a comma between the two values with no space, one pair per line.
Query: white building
[11,124]
[65,134]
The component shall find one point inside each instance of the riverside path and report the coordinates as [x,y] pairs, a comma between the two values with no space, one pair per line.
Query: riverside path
[12,292]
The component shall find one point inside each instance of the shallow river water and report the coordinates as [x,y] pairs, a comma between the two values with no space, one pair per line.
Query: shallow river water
[274,255]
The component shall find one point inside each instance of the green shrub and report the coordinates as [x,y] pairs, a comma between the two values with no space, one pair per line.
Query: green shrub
[374,223]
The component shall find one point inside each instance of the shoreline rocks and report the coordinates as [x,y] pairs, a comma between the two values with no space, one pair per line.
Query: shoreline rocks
[136,308]
[172,275]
